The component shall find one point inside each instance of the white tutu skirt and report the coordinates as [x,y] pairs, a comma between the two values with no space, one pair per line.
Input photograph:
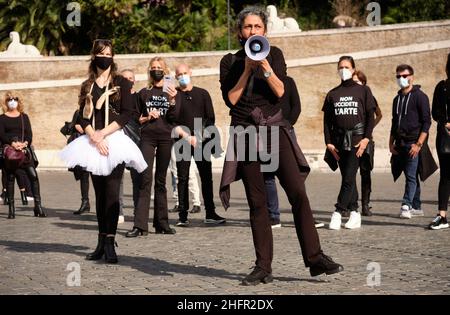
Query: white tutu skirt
[120,147]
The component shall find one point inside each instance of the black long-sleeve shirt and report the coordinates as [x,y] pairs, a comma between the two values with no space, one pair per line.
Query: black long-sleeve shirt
[346,106]
[195,103]
[120,110]
[441,102]
[155,99]
[410,115]
[290,101]
[256,94]
[11,129]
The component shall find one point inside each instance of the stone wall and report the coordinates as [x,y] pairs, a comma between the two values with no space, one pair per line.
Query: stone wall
[50,85]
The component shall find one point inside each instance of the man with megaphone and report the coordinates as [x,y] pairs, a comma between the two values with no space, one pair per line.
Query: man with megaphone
[252,85]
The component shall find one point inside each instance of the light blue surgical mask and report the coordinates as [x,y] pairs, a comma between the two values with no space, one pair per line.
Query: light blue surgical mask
[184,80]
[12,104]
[402,82]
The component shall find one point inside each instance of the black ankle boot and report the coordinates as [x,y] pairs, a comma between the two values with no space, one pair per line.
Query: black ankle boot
[99,250]
[110,252]
[38,210]
[12,211]
[85,207]
[23,195]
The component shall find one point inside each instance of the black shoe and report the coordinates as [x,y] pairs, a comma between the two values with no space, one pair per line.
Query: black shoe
[195,209]
[438,223]
[175,209]
[325,265]
[110,251]
[38,211]
[12,211]
[135,232]
[214,218]
[257,276]
[99,250]
[166,230]
[23,196]
[85,207]
[366,211]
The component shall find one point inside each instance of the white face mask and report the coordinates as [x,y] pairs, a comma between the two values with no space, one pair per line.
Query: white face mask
[402,82]
[345,74]
[12,104]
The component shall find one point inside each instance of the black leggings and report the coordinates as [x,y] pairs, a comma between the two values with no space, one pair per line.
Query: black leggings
[348,195]
[444,178]
[107,192]
[30,171]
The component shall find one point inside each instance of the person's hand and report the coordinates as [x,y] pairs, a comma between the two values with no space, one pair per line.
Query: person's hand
[102,147]
[250,65]
[192,140]
[79,128]
[361,147]
[265,66]
[16,145]
[392,149]
[154,114]
[333,151]
[414,151]
[447,125]
[97,137]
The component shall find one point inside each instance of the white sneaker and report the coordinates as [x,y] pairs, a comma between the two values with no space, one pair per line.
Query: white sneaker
[121,219]
[405,212]
[354,222]
[336,221]
[416,212]
[30,198]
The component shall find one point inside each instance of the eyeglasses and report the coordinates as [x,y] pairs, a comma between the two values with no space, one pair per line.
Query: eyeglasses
[13,99]
[402,75]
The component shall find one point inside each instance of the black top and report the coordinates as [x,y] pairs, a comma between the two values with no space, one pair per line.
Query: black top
[120,108]
[11,129]
[346,106]
[441,102]
[257,92]
[290,102]
[410,115]
[155,99]
[195,104]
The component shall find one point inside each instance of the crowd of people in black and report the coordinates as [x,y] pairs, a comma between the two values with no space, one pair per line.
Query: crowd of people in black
[116,127]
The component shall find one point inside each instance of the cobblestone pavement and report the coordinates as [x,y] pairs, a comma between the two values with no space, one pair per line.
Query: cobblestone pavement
[41,255]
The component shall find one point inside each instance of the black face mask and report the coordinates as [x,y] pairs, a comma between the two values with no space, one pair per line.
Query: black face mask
[157,75]
[103,62]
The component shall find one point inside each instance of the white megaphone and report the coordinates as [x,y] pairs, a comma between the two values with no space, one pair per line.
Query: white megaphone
[257,47]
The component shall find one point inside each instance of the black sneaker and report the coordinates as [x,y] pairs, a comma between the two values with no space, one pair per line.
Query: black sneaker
[195,209]
[257,276]
[183,223]
[438,223]
[214,218]
[175,209]
[325,265]
[275,223]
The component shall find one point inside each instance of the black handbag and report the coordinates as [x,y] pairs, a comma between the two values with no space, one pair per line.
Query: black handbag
[444,146]
[133,130]
[69,126]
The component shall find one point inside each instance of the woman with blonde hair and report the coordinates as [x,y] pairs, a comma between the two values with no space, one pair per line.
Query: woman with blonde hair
[15,131]
[157,109]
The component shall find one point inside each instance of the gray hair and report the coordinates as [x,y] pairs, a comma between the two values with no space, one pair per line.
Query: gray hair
[252,10]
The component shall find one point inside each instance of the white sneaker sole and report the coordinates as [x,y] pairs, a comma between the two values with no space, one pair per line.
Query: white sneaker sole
[332,227]
[403,216]
[276,226]
[440,227]
[352,227]
[319,225]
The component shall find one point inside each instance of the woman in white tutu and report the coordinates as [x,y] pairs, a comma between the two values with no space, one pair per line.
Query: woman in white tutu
[106,105]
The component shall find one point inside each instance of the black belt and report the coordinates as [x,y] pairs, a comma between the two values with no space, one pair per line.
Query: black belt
[347,135]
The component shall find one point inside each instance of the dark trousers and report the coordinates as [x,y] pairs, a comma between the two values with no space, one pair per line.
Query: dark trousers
[205,170]
[348,195]
[161,150]
[107,192]
[32,175]
[136,182]
[444,178]
[366,180]
[22,181]
[84,185]
[293,184]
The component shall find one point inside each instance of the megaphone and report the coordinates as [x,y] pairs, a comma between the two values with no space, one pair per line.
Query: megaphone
[257,47]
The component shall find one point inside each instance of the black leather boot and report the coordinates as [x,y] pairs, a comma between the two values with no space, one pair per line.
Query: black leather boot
[12,211]
[38,211]
[23,196]
[110,252]
[99,250]
[85,207]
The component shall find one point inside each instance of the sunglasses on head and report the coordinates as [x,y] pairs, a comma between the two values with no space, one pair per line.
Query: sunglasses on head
[13,99]
[99,40]
[402,75]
